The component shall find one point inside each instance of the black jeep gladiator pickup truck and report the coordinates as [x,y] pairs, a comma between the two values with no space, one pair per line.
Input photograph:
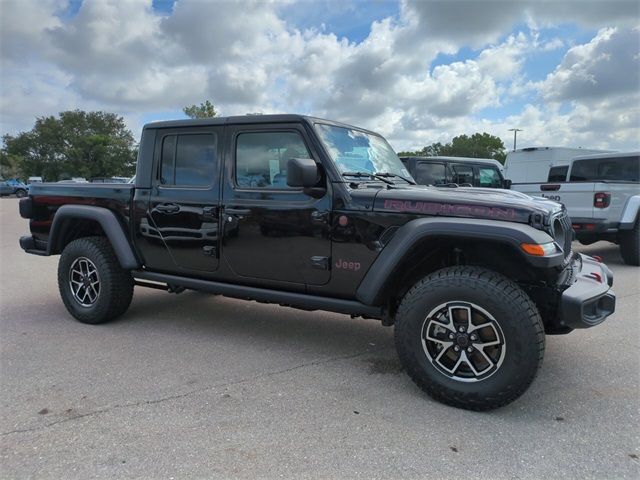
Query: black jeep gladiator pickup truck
[318,215]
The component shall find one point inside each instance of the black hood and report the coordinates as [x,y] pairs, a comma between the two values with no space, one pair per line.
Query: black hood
[469,202]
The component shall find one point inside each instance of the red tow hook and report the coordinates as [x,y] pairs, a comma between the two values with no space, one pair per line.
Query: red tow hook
[598,258]
[595,276]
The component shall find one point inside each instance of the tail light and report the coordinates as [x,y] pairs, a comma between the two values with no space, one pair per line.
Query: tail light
[601,200]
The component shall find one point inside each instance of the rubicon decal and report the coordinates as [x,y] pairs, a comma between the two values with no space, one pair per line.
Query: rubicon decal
[431,208]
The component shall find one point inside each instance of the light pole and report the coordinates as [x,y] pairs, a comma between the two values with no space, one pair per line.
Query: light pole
[515,135]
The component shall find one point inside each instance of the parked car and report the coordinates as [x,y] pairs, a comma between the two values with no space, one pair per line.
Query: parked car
[602,195]
[35,180]
[13,187]
[463,171]
[470,281]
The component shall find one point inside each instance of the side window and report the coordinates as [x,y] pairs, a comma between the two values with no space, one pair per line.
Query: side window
[167,170]
[462,174]
[558,174]
[188,160]
[489,177]
[262,157]
[431,173]
[608,168]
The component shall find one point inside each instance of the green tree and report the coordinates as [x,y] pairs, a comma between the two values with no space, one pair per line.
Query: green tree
[478,145]
[76,143]
[204,110]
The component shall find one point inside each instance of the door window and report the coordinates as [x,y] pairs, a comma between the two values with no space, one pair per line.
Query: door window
[462,174]
[489,177]
[262,157]
[431,173]
[558,174]
[188,160]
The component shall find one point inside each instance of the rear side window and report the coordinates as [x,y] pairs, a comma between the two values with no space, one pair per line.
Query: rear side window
[188,160]
[462,174]
[431,173]
[262,157]
[625,168]
[558,174]
[489,177]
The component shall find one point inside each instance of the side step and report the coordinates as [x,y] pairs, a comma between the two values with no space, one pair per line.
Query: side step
[289,299]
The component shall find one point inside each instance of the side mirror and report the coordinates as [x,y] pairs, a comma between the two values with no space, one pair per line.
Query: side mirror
[302,172]
[507,184]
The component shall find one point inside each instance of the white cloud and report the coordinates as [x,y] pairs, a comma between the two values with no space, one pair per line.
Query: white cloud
[121,55]
[607,65]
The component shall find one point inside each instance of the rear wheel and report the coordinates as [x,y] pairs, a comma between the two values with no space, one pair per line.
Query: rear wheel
[470,337]
[630,244]
[93,286]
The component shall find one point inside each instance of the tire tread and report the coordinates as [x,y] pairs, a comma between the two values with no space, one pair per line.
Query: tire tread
[473,276]
[116,282]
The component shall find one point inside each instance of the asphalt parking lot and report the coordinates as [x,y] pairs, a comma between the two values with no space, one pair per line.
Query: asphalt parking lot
[201,386]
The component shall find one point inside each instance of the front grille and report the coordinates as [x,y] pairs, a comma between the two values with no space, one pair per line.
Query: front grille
[562,232]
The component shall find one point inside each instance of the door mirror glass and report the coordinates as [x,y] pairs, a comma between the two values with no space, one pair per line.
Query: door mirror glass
[302,173]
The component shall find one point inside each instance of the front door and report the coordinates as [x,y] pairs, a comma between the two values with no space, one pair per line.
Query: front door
[184,203]
[271,231]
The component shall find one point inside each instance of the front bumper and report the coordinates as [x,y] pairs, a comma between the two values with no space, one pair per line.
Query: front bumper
[589,299]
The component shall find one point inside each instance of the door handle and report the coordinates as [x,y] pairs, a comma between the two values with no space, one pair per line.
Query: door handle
[237,211]
[168,208]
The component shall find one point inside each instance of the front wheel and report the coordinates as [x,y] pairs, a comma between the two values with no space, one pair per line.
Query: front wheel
[93,286]
[469,337]
[630,245]
[21,193]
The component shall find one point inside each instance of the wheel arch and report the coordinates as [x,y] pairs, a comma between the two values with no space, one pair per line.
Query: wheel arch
[428,244]
[75,221]
[631,213]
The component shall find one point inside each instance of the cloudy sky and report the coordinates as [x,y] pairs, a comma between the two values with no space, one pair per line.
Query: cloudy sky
[567,73]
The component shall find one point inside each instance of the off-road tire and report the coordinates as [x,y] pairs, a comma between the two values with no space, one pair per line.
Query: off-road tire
[116,284]
[630,245]
[512,309]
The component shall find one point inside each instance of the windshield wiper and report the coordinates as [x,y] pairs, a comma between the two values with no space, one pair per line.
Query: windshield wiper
[389,174]
[368,175]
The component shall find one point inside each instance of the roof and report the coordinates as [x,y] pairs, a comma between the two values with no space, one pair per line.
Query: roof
[249,119]
[607,155]
[487,161]
[532,149]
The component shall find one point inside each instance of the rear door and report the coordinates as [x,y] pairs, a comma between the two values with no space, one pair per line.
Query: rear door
[183,218]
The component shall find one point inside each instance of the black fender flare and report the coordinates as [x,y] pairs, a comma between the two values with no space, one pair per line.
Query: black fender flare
[109,223]
[375,282]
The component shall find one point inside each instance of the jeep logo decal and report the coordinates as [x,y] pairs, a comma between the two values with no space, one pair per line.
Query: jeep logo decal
[344,265]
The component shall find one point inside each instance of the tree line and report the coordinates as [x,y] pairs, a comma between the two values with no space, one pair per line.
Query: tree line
[99,144]
[478,145]
[77,144]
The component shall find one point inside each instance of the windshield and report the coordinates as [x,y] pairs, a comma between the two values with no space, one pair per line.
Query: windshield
[356,151]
